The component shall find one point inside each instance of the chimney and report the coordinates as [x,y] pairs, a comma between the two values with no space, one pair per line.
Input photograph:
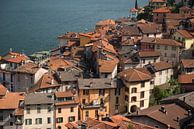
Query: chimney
[177,118]
[52,81]
[189,112]
[163,110]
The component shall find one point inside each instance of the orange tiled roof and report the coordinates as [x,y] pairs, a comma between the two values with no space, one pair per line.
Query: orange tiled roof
[144,54]
[15,57]
[46,81]
[169,42]
[56,62]
[107,66]
[104,44]
[3,90]
[64,94]
[162,10]
[11,100]
[162,65]
[135,75]
[188,63]
[185,33]
[186,78]
[106,22]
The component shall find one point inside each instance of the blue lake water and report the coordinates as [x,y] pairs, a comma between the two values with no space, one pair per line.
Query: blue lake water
[33,25]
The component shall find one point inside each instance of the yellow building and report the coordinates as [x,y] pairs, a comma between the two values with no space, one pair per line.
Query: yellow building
[100,98]
[185,37]
[138,83]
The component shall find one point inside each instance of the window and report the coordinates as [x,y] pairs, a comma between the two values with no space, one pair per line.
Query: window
[85,92]
[49,108]
[59,110]
[173,48]
[133,99]
[158,46]
[142,84]
[165,55]
[27,110]
[96,113]
[28,121]
[160,73]
[142,103]
[38,121]
[87,114]
[38,109]
[151,82]
[59,127]
[173,55]
[117,100]
[11,123]
[126,98]
[142,94]
[71,118]
[166,47]
[101,92]
[143,61]
[127,89]
[60,120]
[48,120]
[117,91]
[72,109]
[134,90]
[1,117]
[84,101]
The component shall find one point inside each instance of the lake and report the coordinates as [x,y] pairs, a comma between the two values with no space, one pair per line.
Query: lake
[33,25]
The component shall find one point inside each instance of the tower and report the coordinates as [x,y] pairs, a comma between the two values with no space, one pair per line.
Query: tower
[136,5]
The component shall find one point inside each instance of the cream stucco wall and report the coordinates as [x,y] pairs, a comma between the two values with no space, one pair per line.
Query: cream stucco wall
[145,89]
[44,115]
[162,77]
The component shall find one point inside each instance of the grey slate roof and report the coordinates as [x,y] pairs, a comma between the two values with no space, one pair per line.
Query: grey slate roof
[100,83]
[38,98]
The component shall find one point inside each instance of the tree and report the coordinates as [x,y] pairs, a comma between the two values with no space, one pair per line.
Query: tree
[130,126]
[191,3]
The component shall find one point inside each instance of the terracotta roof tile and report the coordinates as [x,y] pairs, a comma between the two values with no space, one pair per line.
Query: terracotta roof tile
[64,94]
[135,75]
[162,65]
[106,22]
[188,63]
[185,33]
[144,54]
[169,118]
[3,90]
[186,78]
[15,57]
[11,100]
[169,42]
[70,102]
[150,28]
[107,66]
[162,10]
[56,62]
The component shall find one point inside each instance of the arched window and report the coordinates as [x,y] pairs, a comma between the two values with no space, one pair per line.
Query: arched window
[134,90]
[133,99]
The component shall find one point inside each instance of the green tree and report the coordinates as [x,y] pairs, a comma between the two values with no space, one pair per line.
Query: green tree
[130,126]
